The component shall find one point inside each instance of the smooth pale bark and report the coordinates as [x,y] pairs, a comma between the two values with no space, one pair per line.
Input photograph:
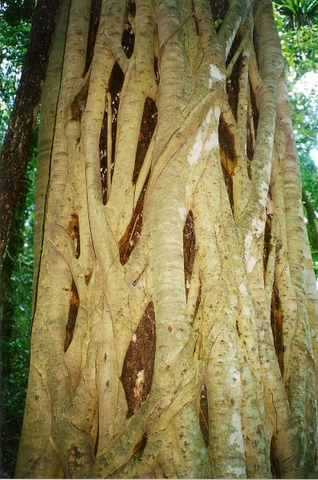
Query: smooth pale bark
[175,329]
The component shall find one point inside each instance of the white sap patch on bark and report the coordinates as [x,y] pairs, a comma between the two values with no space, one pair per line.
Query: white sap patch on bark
[134,338]
[194,155]
[187,190]
[271,142]
[215,75]
[236,472]
[258,225]
[217,112]
[248,242]
[246,311]
[251,262]
[208,117]
[140,380]
[182,212]
[233,371]
[236,437]
[212,142]
[242,289]
[264,187]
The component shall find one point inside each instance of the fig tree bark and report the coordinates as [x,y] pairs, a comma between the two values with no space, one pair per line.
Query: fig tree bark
[175,327]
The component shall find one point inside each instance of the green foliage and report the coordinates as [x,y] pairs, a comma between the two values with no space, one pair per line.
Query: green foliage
[16,308]
[304,108]
[300,50]
[16,274]
[13,399]
[14,36]
[297,22]
[297,13]
[299,39]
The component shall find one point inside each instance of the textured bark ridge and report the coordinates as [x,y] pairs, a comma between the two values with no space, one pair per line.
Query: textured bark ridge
[175,326]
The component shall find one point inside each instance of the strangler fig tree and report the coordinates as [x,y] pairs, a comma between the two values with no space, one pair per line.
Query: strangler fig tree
[175,316]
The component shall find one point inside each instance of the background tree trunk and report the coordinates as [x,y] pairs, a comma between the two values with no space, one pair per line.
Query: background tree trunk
[175,328]
[15,151]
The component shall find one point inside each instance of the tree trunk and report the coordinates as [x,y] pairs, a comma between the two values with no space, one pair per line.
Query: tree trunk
[15,151]
[175,328]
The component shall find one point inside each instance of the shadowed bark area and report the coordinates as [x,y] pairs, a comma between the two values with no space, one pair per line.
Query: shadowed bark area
[176,310]
[17,142]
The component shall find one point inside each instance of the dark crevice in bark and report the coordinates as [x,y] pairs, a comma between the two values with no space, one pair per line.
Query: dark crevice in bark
[138,365]
[74,231]
[78,105]
[227,143]
[140,447]
[115,86]
[131,7]
[128,37]
[72,316]
[254,111]
[156,70]
[228,157]
[267,242]
[274,460]
[232,83]
[116,82]
[197,303]
[219,9]
[277,327]
[96,6]
[204,414]
[189,249]
[250,141]
[147,128]
[103,156]
[133,231]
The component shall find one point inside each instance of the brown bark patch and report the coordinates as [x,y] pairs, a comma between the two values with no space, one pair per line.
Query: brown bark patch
[79,103]
[74,231]
[138,365]
[277,327]
[189,248]
[72,316]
